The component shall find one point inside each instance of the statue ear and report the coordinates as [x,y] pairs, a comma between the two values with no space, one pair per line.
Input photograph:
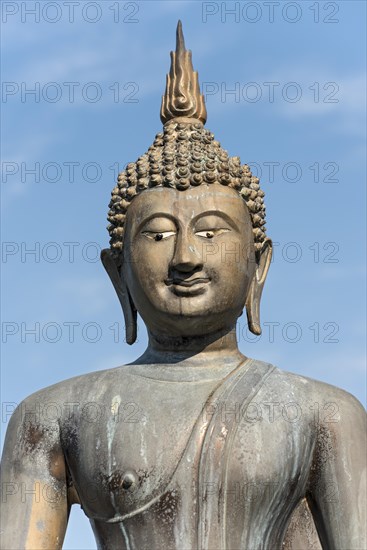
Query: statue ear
[123,294]
[256,287]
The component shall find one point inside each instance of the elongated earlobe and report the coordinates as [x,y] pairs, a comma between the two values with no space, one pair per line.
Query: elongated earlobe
[123,294]
[256,288]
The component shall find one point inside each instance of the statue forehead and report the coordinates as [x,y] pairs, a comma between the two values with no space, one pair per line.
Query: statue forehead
[187,204]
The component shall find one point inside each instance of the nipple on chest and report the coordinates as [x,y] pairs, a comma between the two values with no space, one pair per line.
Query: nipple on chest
[127,480]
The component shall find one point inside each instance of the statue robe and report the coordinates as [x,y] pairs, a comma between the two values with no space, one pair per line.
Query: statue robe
[240,478]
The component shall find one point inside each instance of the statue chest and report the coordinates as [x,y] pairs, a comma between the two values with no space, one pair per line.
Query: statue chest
[129,449]
[124,448]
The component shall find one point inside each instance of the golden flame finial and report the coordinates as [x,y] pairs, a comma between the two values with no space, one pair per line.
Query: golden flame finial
[182,97]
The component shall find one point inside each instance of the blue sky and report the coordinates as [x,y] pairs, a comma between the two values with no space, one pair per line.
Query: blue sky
[285,91]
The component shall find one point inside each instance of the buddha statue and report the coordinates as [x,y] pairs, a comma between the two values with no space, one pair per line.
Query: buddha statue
[175,450]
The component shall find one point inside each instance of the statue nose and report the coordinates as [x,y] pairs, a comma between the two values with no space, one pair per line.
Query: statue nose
[186,257]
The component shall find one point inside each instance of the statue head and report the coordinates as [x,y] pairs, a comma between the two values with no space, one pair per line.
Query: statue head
[188,248]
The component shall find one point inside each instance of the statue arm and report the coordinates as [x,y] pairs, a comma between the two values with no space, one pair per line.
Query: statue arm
[34,504]
[337,496]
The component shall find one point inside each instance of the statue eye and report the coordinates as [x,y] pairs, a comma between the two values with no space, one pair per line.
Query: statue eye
[163,235]
[206,234]
[158,235]
[210,233]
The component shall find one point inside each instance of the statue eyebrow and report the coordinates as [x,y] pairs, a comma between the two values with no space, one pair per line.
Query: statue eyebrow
[218,214]
[156,215]
[201,215]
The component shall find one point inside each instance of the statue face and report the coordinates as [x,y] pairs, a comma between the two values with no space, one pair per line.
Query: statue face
[188,258]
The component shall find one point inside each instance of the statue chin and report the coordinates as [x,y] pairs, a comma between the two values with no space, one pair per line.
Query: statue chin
[189,318]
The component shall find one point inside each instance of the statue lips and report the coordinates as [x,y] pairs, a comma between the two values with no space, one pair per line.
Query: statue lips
[188,287]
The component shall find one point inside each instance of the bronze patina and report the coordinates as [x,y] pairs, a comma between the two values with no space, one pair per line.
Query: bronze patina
[178,456]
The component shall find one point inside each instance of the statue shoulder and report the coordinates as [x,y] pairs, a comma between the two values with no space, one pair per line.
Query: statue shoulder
[47,406]
[333,405]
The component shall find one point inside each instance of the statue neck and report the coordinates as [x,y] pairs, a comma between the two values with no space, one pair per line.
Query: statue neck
[193,350]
